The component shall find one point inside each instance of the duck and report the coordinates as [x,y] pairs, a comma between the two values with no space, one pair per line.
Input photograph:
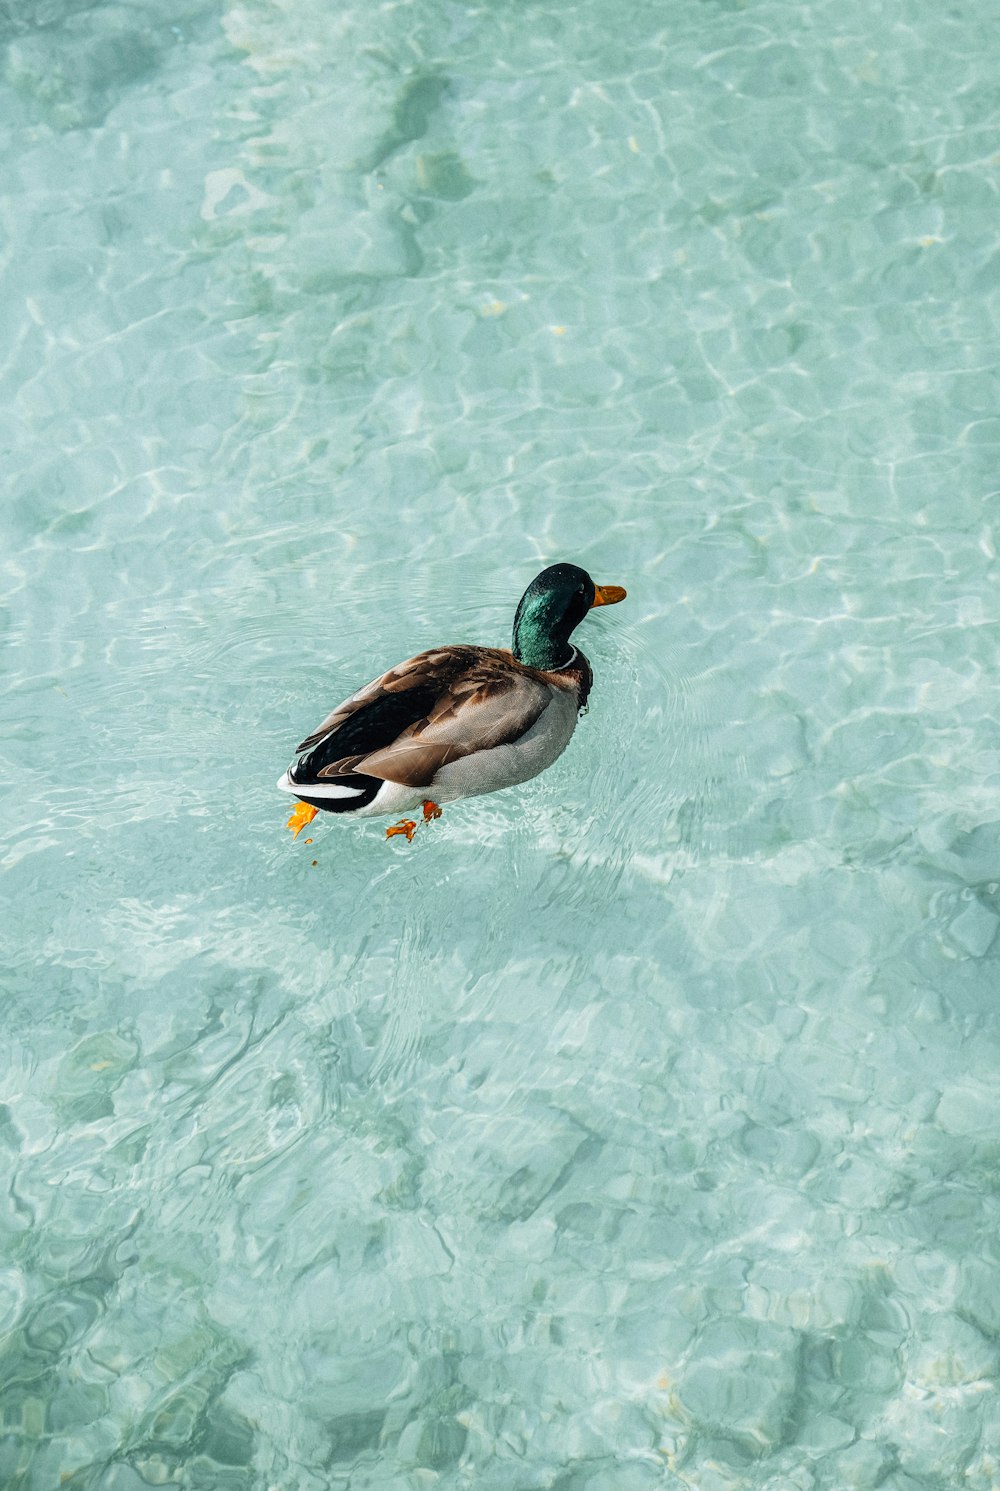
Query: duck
[455,721]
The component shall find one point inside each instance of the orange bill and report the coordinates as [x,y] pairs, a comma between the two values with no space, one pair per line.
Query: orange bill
[608,595]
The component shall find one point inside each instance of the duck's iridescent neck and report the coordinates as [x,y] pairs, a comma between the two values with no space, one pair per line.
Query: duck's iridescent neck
[537,646]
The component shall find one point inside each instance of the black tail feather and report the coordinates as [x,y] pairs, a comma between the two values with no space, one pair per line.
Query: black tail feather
[358,799]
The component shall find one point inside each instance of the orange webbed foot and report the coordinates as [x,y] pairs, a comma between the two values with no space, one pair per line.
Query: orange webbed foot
[302,814]
[408,826]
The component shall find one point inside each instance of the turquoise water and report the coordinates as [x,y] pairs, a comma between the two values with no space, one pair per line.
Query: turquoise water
[639,1127]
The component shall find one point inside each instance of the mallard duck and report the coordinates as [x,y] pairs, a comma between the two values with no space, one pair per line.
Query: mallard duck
[456,721]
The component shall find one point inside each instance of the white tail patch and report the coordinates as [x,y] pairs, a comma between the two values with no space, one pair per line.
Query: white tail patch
[316,789]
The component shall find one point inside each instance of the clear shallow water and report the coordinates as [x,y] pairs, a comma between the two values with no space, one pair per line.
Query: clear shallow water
[634,1128]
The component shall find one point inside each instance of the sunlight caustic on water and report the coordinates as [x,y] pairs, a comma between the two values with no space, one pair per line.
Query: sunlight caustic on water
[635,1126]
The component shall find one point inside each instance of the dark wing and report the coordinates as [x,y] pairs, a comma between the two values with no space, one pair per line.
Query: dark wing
[370,727]
[434,708]
[429,673]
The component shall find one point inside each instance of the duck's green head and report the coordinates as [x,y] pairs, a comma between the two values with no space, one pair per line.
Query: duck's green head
[554,603]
